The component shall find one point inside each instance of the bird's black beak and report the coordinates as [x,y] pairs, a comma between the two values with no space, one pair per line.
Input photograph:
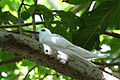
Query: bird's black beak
[34,32]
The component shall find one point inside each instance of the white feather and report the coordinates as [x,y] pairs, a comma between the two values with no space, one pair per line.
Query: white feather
[57,42]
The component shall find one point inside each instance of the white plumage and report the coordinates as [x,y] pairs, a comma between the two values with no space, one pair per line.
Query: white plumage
[58,43]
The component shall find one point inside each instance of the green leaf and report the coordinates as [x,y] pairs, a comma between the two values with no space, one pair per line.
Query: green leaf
[61,30]
[4,57]
[115,46]
[25,15]
[109,0]
[5,67]
[47,14]
[12,4]
[28,63]
[95,23]
[69,19]
[43,70]
[114,20]
[76,2]
[7,17]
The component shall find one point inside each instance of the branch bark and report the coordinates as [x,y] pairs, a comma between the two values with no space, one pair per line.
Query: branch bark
[19,16]
[33,17]
[10,61]
[30,71]
[107,32]
[22,46]
[110,33]
[107,64]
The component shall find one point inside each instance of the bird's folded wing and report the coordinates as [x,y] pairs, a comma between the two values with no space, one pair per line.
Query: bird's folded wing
[57,41]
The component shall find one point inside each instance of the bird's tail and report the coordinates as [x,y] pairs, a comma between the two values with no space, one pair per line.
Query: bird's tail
[87,54]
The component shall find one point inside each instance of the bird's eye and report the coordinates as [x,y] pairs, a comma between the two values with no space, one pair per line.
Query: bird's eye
[42,30]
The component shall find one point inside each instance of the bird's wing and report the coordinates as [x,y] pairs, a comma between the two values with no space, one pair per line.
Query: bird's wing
[58,41]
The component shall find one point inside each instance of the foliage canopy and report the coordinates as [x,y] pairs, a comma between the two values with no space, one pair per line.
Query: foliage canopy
[86,29]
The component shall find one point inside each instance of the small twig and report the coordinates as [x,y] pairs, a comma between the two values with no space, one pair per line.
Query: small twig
[17,31]
[27,5]
[19,17]
[25,24]
[115,58]
[15,77]
[110,33]
[106,64]
[10,61]
[30,71]
[16,25]
[43,20]
[33,18]
[26,8]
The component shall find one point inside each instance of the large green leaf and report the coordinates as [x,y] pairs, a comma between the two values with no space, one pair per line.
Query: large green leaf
[5,57]
[76,2]
[41,10]
[12,4]
[61,30]
[69,19]
[115,46]
[108,0]
[47,14]
[6,17]
[114,20]
[95,23]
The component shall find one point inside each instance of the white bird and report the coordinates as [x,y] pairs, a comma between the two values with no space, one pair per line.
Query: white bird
[59,43]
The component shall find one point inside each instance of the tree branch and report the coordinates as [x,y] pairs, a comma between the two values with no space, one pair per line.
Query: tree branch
[25,24]
[30,71]
[22,46]
[106,64]
[10,61]
[107,32]
[110,33]
[33,18]
[19,18]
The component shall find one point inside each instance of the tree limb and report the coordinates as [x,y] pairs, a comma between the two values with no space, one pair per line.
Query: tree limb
[30,71]
[10,61]
[106,64]
[22,46]
[107,32]
[110,33]
[24,24]
[19,18]
[33,18]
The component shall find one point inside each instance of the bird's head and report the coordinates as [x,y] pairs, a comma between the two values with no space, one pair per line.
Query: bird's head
[41,31]
[44,31]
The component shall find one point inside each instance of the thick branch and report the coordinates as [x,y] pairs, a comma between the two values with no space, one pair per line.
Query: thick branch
[23,46]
